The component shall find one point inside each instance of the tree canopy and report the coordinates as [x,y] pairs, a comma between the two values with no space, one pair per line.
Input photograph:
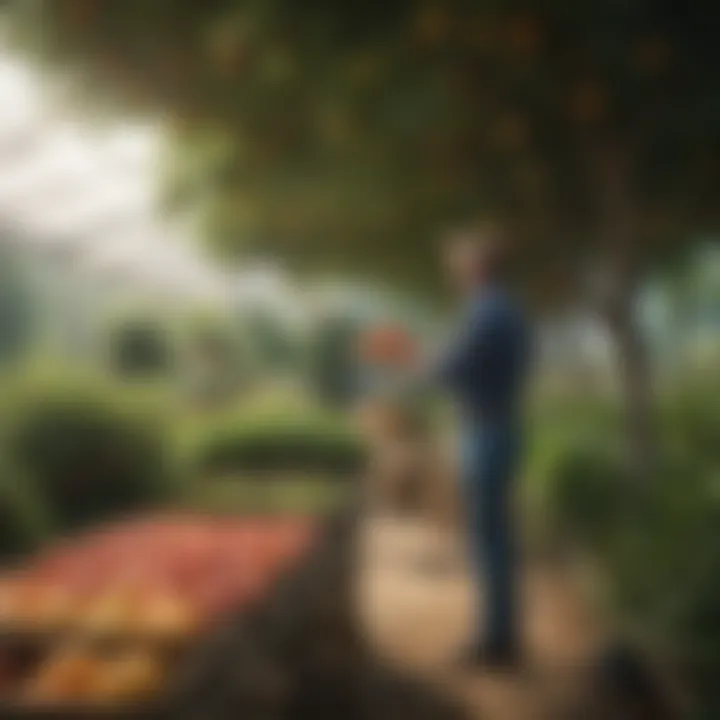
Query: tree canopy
[347,134]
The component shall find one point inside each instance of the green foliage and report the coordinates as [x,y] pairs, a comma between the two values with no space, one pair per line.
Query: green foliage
[307,441]
[141,349]
[24,520]
[89,452]
[658,545]
[662,563]
[564,427]
[346,136]
[692,420]
[589,493]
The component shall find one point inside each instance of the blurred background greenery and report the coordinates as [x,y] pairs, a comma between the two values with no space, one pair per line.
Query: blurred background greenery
[308,154]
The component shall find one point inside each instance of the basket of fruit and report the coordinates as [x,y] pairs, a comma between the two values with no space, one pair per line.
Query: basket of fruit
[101,625]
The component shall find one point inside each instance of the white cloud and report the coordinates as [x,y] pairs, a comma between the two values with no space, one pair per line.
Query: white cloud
[93,189]
[69,182]
[20,95]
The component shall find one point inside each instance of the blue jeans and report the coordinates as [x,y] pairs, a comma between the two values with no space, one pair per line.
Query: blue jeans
[491,456]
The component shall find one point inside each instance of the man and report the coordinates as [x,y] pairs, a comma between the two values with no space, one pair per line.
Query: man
[485,369]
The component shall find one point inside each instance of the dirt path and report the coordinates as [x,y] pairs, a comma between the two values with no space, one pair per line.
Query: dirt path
[416,602]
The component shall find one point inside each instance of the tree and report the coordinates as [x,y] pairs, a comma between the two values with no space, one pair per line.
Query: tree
[346,135]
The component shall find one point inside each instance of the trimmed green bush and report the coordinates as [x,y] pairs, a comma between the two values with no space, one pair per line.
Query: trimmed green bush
[282,449]
[24,520]
[306,443]
[90,453]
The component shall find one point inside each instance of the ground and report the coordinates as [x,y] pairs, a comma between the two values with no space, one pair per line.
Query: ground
[416,604]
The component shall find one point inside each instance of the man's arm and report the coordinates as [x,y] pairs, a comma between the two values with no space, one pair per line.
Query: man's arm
[465,354]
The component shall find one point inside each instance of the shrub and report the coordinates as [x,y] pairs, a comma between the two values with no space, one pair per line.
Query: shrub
[90,453]
[697,623]
[691,420]
[572,448]
[281,443]
[274,449]
[656,545]
[24,521]
[588,494]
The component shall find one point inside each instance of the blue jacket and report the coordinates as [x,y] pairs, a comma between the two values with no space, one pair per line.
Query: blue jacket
[486,365]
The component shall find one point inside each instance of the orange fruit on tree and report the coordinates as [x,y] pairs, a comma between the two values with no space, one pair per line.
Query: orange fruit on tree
[588,103]
[433,24]
[652,55]
[524,34]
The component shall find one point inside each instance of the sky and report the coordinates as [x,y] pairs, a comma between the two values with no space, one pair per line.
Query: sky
[66,182]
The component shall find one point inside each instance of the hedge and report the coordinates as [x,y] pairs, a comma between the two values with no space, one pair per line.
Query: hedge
[24,518]
[89,452]
[286,442]
[657,544]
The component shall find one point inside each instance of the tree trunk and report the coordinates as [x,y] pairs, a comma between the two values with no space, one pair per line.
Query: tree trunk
[623,264]
[636,384]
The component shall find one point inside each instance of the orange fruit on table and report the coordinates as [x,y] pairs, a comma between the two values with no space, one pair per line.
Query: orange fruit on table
[71,674]
[164,615]
[112,612]
[28,604]
[229,593]
[128,677]
[10,600]
[57,607]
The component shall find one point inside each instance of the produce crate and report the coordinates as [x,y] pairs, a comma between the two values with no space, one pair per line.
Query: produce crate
[121,668]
